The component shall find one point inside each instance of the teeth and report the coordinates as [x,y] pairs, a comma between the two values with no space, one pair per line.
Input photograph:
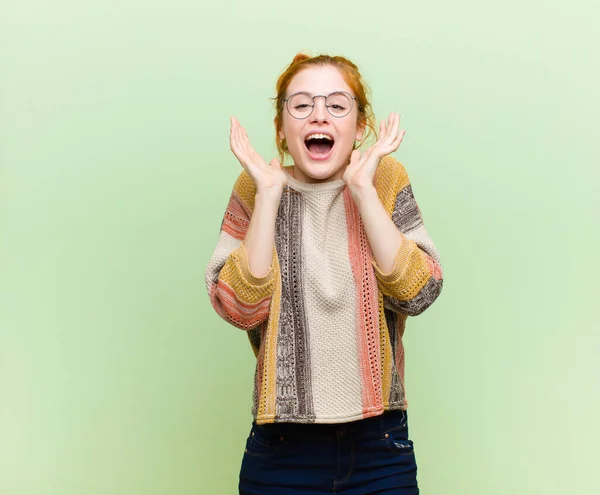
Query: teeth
[319,136]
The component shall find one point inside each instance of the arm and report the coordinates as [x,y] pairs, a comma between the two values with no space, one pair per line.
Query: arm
[260,238]
[384,237]
[241,274]
[269,182]
[237,294]
[415,279]
[406,262]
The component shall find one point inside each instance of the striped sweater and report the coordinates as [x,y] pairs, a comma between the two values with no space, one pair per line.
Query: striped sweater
[325,323]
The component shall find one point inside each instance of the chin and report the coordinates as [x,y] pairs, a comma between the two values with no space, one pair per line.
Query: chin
[322,171]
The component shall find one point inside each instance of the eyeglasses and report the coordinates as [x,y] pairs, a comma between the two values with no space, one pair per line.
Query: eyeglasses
[301,105]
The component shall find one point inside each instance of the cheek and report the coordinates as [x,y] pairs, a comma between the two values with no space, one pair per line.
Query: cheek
[290,130]
[349,134]
[350,129]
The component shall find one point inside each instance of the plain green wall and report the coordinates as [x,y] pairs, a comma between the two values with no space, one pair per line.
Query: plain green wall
[117,377]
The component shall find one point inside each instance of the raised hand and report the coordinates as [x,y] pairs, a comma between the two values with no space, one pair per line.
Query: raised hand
[360,171]
[267,178]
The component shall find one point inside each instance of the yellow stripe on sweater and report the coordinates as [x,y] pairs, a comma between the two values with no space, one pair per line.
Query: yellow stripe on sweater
[390,179]
[409,274]
[246,191]
[386,354]
[267,398]
[236,274]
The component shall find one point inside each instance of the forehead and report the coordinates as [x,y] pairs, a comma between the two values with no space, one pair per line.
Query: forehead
[318,81]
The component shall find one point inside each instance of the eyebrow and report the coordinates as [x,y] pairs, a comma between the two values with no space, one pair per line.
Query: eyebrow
[320,94]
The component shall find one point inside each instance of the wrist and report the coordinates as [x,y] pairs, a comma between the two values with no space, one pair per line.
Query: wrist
[268,197]
[363,195]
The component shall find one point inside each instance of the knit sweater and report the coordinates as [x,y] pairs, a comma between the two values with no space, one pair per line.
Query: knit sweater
[325,323]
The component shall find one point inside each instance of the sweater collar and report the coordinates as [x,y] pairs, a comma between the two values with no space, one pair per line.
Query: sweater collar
[309,187]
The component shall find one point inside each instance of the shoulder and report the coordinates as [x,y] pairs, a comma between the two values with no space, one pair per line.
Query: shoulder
[390,178]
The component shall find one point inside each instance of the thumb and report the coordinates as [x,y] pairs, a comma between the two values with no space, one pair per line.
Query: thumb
[354,157]
[275,164]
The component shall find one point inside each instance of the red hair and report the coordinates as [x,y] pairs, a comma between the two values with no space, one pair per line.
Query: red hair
[351,75]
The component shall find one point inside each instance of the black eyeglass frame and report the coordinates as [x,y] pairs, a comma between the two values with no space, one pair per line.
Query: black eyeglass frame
[352,100]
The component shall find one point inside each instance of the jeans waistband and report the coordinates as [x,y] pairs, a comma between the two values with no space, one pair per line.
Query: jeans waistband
[373,426]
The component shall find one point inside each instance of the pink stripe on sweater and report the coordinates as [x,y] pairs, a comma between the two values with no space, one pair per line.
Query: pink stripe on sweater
[236,220]
[434,268]
[367,306]
[228,306]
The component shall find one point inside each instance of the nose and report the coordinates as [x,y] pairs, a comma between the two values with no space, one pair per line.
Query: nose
[319,113]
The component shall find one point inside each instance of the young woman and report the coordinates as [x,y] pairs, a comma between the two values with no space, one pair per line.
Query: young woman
[321,262]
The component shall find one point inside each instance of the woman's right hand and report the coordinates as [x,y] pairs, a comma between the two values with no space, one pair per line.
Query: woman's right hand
[268,179]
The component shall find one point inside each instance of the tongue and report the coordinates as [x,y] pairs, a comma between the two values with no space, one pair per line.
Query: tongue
[318,148]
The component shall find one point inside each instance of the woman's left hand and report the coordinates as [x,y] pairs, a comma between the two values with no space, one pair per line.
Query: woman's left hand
[360,171]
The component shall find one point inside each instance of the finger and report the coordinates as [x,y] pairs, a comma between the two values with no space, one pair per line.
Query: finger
[275,163]
[354,164]
[258,160]
[396,143]
[235,143]
[382,130]
[243,149]
[235,124]
[369,152]
[387,145]
[242,137]
[386,126]
[238,141]
[245,140]
[398,130]
[233,134]
[392,127]
[398,133]
[234,127]
[354,157]
[244,133]
[370,158]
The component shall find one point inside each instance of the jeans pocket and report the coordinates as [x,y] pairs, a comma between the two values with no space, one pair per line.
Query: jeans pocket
[397,442]
[262,443]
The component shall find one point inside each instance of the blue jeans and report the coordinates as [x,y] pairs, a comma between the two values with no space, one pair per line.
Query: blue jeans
[366,457]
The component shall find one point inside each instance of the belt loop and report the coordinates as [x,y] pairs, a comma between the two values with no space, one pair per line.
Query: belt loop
[381,423]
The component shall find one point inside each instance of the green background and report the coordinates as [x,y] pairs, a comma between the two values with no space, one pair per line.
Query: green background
[117,377]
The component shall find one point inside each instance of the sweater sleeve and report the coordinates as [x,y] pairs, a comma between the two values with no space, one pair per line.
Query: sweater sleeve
[416,278]
[236,294]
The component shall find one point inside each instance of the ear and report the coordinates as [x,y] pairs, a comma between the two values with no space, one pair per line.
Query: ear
[280,133]
[360,132]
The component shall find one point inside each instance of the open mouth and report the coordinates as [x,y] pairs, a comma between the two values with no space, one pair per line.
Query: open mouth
[319,145]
